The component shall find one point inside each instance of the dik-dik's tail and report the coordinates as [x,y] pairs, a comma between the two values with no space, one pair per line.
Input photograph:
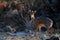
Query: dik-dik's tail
[51,22]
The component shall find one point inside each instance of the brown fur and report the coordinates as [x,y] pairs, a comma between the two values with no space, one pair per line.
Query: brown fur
[39,24]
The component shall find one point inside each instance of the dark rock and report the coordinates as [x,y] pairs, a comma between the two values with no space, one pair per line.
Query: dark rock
[54,38]
[1,30]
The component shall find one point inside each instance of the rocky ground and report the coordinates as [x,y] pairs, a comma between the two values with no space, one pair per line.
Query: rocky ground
[24,36]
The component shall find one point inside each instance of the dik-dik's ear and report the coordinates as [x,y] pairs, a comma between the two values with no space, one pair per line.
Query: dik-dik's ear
[32,12]
[35,11]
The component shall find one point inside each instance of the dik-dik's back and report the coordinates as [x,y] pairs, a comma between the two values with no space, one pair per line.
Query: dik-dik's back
[47,23]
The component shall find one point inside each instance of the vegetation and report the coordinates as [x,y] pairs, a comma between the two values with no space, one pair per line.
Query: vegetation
[45,8]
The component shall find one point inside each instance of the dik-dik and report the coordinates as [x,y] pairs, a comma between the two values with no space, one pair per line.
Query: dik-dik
[38,24]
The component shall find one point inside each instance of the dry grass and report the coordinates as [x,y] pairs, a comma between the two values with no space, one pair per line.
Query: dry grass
[20,38]
[23,38]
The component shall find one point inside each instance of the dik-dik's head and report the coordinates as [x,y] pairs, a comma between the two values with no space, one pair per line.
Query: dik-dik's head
[32,14]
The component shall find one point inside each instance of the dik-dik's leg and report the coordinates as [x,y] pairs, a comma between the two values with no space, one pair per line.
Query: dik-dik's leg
[39,28]
[51,30]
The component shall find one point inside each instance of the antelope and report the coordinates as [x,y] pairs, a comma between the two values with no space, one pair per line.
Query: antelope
[39,24]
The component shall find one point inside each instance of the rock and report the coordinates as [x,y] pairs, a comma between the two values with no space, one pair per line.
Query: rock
[1,38]
[1,30]
[54,38]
